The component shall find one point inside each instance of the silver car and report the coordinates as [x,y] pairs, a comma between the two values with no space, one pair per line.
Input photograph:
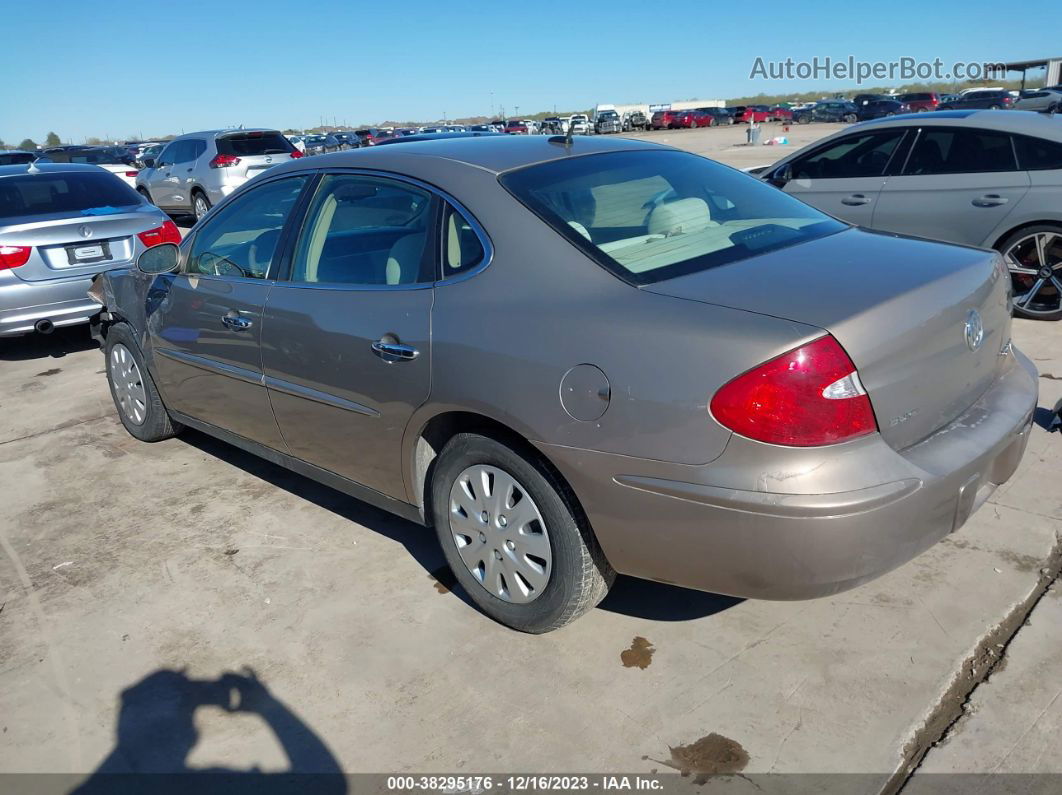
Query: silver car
[60,225]
[981,178]
[196,171]
[580,359]
[1043,99]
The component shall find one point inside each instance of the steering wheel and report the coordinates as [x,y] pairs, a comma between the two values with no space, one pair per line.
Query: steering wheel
[220,266]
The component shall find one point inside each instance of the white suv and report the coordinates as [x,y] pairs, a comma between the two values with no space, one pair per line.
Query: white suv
[196,171]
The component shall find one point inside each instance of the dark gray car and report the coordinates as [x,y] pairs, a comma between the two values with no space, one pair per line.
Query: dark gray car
[576,359]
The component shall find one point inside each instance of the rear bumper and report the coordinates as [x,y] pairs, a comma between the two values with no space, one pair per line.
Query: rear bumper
[781,523]
[62,301]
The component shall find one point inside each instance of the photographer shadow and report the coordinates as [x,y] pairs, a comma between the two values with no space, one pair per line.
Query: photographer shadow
[156,734]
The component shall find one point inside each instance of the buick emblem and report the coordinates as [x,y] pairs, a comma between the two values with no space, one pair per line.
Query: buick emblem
[974,331]
[84,230]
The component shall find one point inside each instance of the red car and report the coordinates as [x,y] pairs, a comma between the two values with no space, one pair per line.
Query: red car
[664,120]
[516,127]
[692,118]
[778,113]
[752,113]
[921,102]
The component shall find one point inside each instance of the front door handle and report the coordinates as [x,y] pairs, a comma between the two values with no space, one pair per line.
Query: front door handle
[235,322]
[394,351]
[855,200]
[990,200]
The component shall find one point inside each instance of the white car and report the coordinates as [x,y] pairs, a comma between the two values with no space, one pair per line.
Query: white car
[298,141]
[579,124]
[109,158]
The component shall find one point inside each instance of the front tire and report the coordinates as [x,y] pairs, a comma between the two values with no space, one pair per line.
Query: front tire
[139,405]
[514,536]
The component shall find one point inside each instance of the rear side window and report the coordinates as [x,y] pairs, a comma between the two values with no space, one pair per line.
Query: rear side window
[254,143]
[650,216]
[74,192]
[1036,154]
[960,151]
[462,249]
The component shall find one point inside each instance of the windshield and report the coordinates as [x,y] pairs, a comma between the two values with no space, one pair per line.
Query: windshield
[650,216]
[74,192]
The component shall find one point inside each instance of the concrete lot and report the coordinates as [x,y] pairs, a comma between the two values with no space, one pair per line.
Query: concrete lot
[120,560]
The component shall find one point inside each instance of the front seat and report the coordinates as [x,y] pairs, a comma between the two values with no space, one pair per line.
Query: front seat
[404,259]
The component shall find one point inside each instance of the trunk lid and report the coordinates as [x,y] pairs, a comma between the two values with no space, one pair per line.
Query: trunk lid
[65,246]
[257,151]
[899,306]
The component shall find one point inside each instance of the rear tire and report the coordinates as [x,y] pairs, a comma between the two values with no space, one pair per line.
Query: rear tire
[138,402]
[200,204]
[474,533]
[1021,249]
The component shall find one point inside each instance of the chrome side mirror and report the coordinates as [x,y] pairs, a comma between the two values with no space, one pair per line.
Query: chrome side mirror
[162,258]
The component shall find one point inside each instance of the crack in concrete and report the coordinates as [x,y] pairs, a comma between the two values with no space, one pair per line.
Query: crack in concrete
[986,658]
[60,427]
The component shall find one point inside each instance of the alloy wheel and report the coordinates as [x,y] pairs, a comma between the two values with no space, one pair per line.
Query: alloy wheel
[500,534]
[200,206]
[128,384]
[1035,265]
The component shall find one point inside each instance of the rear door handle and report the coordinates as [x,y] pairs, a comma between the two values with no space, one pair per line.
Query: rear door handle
[394,351]
[990,200]
[855,200]
[235,322]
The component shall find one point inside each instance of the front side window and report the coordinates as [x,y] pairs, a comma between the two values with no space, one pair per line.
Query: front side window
[241,240]
[653,215]
[167,154]
[363,230]
[864,155]
[960,150]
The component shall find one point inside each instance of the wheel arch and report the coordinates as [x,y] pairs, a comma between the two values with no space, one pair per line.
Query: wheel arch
[997,239]
[434,432]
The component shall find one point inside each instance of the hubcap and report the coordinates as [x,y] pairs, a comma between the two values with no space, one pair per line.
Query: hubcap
[1035,262]
[200,207]
[128,385]
[500,534]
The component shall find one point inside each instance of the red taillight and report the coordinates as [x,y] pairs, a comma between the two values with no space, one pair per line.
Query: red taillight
[131,173]
[14,256]
[167,233]
[224,161]
[294,154]
[808,397]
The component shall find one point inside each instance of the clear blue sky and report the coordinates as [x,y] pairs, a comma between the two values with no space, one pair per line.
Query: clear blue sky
[90,68]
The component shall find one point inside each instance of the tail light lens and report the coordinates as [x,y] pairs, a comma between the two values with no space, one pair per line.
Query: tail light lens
[295,154]
[808,397]
[167,233]
[131,173]
[224,161]
[14,256]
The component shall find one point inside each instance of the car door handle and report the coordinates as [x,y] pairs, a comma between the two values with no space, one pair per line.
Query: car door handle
[855,200]
[394,351]
[990,200]
[235,322]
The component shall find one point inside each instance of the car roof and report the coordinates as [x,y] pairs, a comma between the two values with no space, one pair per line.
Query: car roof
[45,168]
[1016,121]
[223,132]
[491,153]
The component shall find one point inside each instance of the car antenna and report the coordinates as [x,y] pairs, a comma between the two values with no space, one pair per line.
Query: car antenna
[565,139]
[33,168]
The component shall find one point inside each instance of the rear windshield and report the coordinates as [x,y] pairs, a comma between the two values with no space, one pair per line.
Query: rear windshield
[15,158]
[74,192]
[650,216]
[254,143]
